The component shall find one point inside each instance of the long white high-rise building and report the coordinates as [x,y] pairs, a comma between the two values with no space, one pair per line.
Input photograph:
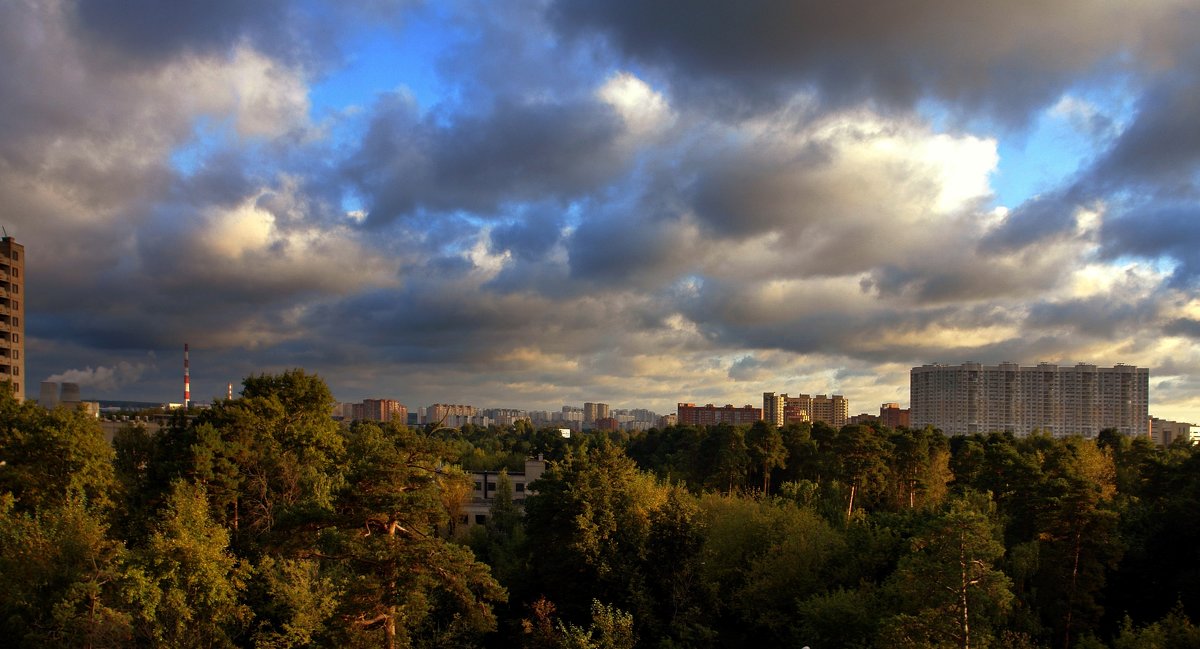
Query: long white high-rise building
[1062,401]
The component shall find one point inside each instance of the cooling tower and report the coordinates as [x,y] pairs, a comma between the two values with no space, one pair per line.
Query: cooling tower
[70,393]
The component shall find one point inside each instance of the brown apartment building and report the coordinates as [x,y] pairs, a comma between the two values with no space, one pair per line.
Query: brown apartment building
[709,415]
[12,315]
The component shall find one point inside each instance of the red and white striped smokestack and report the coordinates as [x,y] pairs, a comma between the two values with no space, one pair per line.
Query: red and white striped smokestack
[187,379]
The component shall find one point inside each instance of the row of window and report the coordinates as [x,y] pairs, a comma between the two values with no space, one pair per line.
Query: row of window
[519,486]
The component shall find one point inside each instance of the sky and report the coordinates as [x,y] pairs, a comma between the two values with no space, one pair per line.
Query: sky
[536,203]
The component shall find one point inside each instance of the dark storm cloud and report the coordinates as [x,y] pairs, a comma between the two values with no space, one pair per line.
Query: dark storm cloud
[1160,150]
[1189,327]
[1002,58]
[150,32]
[531,234]
[519,151]
[1102,317]
[746,193]
[440,321]
[967,275]
[1154,233]
[150,29]
[1037,220]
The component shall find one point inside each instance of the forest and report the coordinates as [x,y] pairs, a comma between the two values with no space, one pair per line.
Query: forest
[262,522]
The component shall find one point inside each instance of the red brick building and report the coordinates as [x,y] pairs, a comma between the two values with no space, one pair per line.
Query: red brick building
[689,414]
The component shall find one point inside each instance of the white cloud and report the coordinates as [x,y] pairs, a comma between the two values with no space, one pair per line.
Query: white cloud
[262,97]
[645,111]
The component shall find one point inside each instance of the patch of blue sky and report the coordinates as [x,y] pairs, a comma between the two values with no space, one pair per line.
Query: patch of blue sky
[1059,141]
[381,58]
[208,136]
[1040,160]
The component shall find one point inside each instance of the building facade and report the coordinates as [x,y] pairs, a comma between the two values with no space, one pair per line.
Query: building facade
[780,409]
[448,415]
[773,408]
[1164,431]
[12,316]
[689,414]
[893,416]
[1062,401]
[384,410]
[477,509]
[594,411]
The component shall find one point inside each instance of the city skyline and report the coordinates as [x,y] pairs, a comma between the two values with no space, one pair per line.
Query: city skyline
[557,201]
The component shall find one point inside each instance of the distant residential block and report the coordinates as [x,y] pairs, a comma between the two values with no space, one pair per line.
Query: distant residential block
[689,414]
[373,410]
[1163,431]
[451,415]
[893,416]
[12,316]
[1062,401]
[781,409]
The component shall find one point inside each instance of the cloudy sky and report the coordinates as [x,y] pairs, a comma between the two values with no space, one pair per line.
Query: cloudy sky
[528,204]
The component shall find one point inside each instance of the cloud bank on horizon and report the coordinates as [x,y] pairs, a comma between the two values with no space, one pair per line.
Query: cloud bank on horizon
[551,201]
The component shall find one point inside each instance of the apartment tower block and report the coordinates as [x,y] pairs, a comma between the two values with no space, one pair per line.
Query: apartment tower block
[12,320]
[1062,401]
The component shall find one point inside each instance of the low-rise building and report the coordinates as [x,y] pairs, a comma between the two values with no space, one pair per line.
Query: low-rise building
[479,507]
[690,414]
[1164,432]
[893,416]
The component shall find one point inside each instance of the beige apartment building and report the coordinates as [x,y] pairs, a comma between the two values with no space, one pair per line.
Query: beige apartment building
[1165,431]
[12,315]
[781,409]
[1063,401]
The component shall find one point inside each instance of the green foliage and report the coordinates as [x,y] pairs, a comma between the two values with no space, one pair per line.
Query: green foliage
[199,580]
[589,521]
[840,618]
[52,457]
[296,603]
[65,582]
[611,628]
[1174,631]
[948,591]
[763,557]
[262,522]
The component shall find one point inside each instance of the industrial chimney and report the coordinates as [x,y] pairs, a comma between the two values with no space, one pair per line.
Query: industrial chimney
[187,380]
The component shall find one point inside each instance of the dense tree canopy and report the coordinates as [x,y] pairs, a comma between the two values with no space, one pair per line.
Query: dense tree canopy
[262,522]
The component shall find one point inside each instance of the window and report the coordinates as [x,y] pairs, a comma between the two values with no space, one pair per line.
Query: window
[15,256]
[16,338]
[480,519]
[16,272]
[478,486]
[16,354]
[16,321]
[462,519]
[16,305]
[16,288]
[520,487]
[16,371]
